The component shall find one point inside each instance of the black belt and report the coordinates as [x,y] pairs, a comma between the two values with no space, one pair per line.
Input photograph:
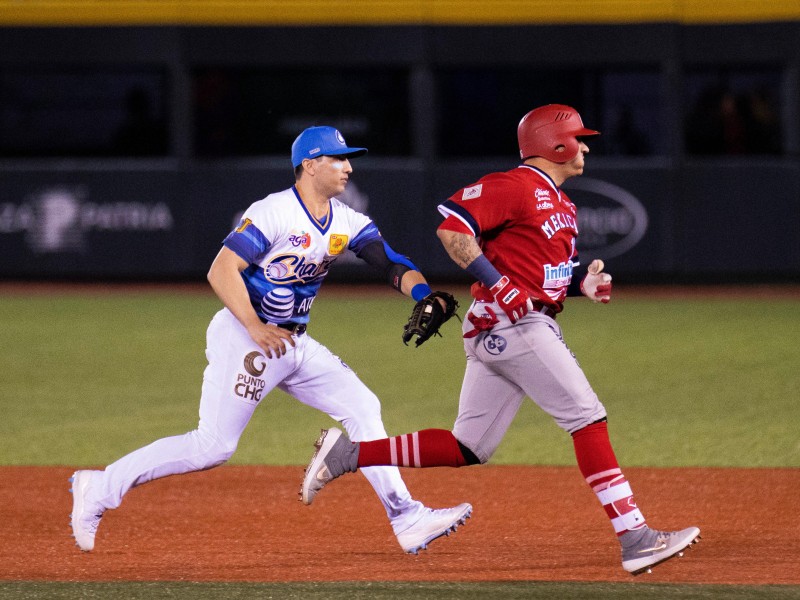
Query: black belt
[544,309]
[295,328]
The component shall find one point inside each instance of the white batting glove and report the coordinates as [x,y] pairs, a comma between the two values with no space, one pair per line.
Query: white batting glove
[597,285]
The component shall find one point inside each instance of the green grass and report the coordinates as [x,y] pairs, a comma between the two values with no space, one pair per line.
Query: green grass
[528,590]
[87,378]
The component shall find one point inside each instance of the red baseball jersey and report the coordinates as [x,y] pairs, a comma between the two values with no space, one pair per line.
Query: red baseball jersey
[525,226]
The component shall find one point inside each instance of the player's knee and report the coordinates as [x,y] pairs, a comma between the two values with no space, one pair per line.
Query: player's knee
[212,452]
[469,455]
[370,407]
[364,421]
[474,448]
[571,426]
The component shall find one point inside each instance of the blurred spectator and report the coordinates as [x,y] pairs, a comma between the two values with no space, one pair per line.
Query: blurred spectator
[216,110]
[141,133]
[763,123]
[626,137]
[724,122]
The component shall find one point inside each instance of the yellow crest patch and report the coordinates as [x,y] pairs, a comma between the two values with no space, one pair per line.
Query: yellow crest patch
[337,243]
[243,225]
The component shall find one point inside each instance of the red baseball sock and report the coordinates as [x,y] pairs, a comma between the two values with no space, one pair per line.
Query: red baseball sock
[426,448]
[599,467]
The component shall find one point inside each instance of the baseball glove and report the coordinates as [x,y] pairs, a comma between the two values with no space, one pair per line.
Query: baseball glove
[428,315]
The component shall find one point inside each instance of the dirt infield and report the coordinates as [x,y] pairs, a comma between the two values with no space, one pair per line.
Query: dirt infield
[241,523]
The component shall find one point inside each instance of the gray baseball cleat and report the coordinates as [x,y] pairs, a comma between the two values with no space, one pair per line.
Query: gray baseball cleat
[85,515]
[643,549]
[335,456]
[433,524]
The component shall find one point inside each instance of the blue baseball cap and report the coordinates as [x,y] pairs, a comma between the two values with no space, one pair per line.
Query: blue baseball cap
[321,141]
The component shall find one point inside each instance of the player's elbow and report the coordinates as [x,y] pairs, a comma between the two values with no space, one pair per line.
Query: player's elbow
[444,235]
[212,276]
[453,239]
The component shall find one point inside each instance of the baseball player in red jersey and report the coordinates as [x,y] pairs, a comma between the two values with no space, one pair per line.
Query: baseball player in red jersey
[515,233]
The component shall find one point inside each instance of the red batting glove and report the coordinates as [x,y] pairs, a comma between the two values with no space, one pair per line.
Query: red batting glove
[483,323]
[597,285]
[514,301]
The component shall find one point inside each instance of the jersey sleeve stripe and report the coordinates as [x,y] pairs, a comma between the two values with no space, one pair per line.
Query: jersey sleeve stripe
[451,209]
[248,242]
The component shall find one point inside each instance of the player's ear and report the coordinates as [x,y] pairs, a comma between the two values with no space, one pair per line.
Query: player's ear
[307,165]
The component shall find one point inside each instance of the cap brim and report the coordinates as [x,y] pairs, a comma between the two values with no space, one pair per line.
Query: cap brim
[350,152]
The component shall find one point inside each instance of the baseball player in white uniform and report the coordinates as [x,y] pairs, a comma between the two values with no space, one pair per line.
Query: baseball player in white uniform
[515,233]
[267,275]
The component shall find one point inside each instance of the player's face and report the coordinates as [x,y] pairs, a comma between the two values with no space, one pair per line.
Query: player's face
[575,166]
[334,173]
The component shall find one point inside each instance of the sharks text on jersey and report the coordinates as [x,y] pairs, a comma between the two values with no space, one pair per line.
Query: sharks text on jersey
[294,268]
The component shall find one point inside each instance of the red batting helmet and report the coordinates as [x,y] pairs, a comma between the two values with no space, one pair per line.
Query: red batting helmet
[550,131]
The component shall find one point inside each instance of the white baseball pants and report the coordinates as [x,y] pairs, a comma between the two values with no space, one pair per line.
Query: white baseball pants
[230,395]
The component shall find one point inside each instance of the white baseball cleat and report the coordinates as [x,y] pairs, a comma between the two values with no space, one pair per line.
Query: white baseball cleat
[433,524]
[85,515]
[644,548]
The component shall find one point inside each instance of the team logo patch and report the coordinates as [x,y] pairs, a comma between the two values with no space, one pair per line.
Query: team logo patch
[472,192]
[300,239]
[252,367]
[494,344]
[278,304]
[250,386]
[284,269]
[557,276]
[276,270]
[243,224]
[337,243]
[543,200]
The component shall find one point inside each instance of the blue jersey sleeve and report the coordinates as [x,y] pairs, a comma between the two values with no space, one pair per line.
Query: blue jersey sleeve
[247,241]
[365,237]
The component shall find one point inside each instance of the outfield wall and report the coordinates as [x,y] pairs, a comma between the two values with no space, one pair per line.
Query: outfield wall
[665,214]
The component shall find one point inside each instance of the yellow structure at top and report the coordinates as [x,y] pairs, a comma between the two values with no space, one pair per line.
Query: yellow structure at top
[390,12]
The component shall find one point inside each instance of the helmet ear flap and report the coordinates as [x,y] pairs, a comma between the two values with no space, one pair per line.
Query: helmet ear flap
[565,149]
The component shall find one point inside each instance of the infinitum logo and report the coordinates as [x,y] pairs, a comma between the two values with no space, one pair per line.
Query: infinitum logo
[56,219]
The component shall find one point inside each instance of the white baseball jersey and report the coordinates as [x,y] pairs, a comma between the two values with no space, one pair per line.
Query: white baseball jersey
[290,251]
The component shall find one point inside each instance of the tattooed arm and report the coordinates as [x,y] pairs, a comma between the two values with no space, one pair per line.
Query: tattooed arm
[463,248]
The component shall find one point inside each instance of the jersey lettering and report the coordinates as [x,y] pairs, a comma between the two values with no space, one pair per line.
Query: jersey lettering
[557,276]
[303,239]
[558,221]
[250,388]
[291,268]
[305,305]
